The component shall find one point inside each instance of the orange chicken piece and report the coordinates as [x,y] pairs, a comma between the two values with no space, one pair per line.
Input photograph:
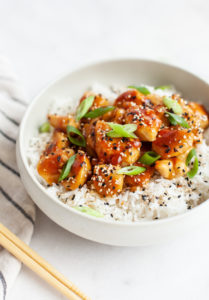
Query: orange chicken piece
[116,151]
[194,113]
[171,168]
[172,142]
[79,172]
[59,140]
[130,98]
[148,124]
[99,100]
[155,99]
[160,111]
[54,157]
[200,114]
[115,116]
[140,179]
[89,134]
[61,122]
[106,181]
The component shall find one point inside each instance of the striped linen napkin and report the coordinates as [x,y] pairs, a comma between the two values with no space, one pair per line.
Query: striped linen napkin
[17,211]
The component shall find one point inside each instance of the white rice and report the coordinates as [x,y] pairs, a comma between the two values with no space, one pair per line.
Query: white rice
[159,199]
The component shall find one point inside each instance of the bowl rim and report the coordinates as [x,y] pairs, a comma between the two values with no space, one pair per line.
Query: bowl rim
[39,186]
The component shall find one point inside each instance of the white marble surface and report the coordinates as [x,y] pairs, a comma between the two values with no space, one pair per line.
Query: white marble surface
[45,38]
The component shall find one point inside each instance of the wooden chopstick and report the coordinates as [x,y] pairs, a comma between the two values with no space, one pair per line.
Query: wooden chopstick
[37,264]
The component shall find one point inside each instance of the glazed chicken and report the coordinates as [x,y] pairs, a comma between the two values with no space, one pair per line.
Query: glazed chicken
[79,172]
[148,123]
[106,181]
[171,168]
[54,157]
[140,180]
[99,100]
[123,151]
[173,142]
[129,99]
[122,146]
[61,122]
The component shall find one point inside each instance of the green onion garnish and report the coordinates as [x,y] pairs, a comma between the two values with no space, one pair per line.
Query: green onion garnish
[149,158]
[194,169]
[177,120]
[131,170]
[99,112]
[84,107]
[67,167]
[89,211]
[80,140]
[191,154]
[163,87]
[172,104]
[122,130]
[141,89]
[45,127]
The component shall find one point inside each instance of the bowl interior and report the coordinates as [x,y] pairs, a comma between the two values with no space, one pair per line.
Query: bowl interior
[121,72]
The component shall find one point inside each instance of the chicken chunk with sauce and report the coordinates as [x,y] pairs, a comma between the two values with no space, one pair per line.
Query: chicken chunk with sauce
[115,116]
[106,181]
[79,172]
[89,134]
[61,122]
[99,100]
[141,179]
[148,123]
[129,99]
[173,142]
[116,151]
[54,157]
[171,168]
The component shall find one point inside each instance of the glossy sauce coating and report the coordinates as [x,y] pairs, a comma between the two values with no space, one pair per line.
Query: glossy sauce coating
[116,151]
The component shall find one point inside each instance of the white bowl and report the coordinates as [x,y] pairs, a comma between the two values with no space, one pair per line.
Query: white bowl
[123,72]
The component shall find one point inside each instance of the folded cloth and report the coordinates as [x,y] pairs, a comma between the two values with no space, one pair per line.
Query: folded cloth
[17,212]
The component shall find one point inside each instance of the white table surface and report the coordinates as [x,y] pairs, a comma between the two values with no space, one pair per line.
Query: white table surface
[45,38]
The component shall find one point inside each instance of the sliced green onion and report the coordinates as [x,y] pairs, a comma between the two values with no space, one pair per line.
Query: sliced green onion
[177,120]
[141,89]
[131,170]
[149,158]
[191,154]
[195,167]
[127,134]
[89,211]
[45,127]
[172,104]
[80,141]
[122,130]
[67,167]
[99,112]
[84,107]
[129,127]
[163,87]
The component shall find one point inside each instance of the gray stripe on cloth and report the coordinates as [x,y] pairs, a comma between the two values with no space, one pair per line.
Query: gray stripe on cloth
[19,101]
[9,168]
[15,204]
[8,137]
[9,118]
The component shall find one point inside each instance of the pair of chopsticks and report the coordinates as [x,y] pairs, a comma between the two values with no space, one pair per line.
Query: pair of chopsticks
[37,264]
